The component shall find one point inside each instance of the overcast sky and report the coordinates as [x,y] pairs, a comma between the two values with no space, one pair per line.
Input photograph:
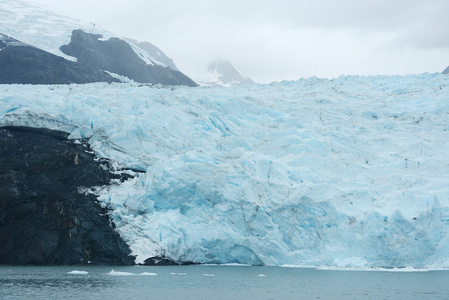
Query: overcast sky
[282,39]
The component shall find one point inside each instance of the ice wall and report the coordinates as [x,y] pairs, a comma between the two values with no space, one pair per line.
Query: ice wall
[348,172]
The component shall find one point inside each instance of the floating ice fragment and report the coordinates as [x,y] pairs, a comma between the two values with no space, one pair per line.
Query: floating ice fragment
[148,274]
[370,269]
[76,272]
[116,273]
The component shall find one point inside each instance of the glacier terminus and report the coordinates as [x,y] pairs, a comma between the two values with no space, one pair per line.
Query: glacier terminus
[345,172]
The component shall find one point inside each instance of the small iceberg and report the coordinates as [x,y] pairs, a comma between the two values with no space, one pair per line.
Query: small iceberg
[116,273]
[148,274]
[76,272]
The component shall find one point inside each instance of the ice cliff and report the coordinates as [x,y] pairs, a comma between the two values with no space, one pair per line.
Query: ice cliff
[347,172]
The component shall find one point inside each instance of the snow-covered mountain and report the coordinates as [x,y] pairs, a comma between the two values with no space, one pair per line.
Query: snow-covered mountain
[97,48]
[155,52]
[348,172]
[117,56]
[22,63]
[222,73]
[446,71]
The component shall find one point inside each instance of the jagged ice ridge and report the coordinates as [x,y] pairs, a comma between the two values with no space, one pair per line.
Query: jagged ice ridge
[348,172]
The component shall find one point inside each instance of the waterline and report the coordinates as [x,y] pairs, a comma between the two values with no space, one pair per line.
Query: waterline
[216,282]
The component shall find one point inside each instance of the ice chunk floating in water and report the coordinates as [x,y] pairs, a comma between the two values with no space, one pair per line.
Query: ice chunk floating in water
[76,272]
[148,274]
[348,172]
[118,273]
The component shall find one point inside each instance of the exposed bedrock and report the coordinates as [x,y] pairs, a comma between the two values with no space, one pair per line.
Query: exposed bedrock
[44,218]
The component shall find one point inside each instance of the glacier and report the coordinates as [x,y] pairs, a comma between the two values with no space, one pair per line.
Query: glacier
[350,172]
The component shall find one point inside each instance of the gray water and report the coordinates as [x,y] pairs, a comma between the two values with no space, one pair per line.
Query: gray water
[217,282]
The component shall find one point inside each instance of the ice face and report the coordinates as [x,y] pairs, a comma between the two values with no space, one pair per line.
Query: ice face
[348,172]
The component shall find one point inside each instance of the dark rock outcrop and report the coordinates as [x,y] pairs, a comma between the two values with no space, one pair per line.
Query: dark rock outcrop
[25,64]
[44,219]
[446,71]
[117,56]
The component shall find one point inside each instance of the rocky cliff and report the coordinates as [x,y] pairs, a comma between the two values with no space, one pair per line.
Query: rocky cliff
[45,218]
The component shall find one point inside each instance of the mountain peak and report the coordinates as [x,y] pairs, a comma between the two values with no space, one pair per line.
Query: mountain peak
[446,71]
[155,52]
[223,73]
